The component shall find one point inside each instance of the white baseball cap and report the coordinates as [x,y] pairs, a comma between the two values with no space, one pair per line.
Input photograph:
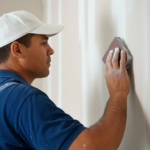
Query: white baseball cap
[16,24]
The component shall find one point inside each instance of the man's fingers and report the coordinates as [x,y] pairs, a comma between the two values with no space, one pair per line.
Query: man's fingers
[115,58]
[109,59]
[123,60]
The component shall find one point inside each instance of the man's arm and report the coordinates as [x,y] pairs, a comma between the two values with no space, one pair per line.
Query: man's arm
[108,132]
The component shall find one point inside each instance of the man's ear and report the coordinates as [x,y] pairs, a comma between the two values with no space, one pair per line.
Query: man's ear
[17,50]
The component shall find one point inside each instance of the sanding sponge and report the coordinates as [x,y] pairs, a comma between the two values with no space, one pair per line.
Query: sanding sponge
[118,42]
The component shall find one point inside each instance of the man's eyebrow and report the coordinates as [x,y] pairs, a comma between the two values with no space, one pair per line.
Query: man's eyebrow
[45,37]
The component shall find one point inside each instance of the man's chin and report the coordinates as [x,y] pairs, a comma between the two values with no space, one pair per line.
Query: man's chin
[46,74]
[43,75]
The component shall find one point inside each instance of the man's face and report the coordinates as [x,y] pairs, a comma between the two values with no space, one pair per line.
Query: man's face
[38,58]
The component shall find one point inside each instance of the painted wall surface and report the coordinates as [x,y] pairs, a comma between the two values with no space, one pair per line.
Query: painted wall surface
[76,82]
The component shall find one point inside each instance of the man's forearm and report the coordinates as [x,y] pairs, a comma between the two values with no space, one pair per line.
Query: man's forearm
[110,129]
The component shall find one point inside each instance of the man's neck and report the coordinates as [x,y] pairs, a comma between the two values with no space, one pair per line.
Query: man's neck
[18,71]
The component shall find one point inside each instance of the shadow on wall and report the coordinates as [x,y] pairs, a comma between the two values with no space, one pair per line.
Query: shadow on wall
[134,138]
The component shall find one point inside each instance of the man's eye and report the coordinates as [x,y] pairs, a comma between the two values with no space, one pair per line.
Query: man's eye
[44,43]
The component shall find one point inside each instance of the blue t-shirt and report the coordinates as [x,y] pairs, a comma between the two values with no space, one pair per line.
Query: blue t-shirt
[30,120]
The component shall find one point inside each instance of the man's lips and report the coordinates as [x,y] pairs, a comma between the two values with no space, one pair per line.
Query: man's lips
[49,60]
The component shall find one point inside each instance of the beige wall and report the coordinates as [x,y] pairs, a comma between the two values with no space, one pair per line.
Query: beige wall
[33,6]
[76,82]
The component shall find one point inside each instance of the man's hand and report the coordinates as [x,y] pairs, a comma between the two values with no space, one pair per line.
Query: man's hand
[116,77]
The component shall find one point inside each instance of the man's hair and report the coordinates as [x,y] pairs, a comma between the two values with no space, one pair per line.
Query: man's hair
[5,50]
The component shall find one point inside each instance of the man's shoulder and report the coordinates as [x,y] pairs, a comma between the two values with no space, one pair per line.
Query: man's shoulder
[31,93]
[20,92]
[27,89]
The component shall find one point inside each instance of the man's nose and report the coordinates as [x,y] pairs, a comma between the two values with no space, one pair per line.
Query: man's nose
[50,51]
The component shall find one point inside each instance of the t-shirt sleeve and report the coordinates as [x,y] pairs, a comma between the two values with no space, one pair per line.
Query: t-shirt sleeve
[42,125]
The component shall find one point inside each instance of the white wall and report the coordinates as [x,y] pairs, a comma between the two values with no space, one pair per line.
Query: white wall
[77,82]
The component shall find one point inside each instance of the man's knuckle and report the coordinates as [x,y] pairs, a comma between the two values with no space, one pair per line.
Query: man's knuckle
[108,61]
[122,72]
[122,61]
[114,59]
[108,57]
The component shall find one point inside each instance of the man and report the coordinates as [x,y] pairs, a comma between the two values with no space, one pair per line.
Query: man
[28,118]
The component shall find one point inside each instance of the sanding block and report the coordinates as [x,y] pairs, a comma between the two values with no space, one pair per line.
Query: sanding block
[118,42]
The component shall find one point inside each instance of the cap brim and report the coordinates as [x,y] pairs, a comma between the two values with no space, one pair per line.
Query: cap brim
[48,29]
